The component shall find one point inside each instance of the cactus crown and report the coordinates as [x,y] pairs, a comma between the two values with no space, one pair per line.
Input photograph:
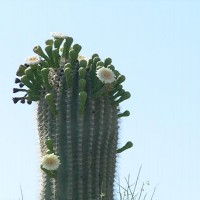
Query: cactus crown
[41,74]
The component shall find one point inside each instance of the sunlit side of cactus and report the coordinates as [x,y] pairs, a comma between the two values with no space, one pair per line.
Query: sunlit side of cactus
[78,112]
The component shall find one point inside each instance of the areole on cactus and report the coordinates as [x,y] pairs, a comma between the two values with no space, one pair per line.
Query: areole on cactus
[78,112]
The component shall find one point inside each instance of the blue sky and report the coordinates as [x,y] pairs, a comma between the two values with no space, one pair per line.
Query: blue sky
[155,44]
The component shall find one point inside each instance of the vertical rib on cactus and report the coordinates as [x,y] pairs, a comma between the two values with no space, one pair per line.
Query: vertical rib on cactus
[110,173]
[45,126]
[98,126]
[68,146]
[88,140]
[109,130]
[78,112]
[61,138]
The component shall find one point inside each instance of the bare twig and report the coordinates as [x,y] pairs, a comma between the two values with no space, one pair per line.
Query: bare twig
[129,187]
[141,191]
[153,192]
[21,192]
[137,180]
[127,193]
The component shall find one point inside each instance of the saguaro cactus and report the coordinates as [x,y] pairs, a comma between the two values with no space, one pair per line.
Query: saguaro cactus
[78,112]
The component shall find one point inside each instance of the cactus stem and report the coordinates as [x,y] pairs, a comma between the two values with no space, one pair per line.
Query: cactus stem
[16,99]
[124,114]
[17,80]
[15,90]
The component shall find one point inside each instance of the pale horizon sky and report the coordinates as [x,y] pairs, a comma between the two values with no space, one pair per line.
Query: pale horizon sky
[156,45]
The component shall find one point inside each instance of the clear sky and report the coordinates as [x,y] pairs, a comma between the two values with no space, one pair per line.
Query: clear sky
[155,44]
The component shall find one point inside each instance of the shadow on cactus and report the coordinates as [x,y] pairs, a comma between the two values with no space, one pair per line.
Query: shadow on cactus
[78,112]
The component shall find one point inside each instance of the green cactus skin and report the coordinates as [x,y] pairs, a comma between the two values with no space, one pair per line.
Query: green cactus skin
[79,114]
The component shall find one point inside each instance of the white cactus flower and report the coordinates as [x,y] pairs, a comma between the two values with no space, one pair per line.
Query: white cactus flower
[58,35]
[50,162]
[105,75]
[32,60]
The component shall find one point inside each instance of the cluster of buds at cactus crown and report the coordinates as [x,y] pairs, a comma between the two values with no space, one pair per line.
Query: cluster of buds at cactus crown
[41,73]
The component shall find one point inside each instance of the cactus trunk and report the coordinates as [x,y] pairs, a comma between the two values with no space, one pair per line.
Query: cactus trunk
[85,143]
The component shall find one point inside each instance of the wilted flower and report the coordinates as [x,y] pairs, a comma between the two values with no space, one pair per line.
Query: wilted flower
[50,162]
[105,75]
[58,35]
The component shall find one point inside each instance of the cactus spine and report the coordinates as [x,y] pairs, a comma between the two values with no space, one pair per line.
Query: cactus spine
[78,111]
